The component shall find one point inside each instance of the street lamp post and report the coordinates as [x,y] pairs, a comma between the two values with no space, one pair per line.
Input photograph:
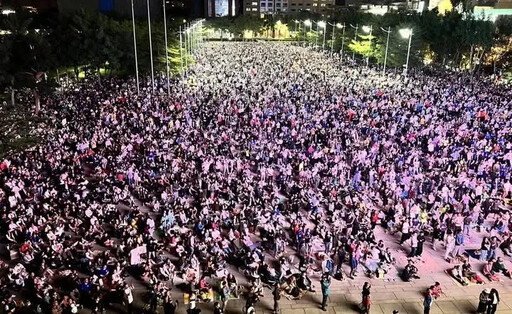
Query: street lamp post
[355,39]
[388,31]
[316,37]
[189,38]
[342,43]
[368,29]
[135,51]
[181,51]
[310,24]
[151,49]
[334,25]
[187,35]
[166,50]
[324,27]
[407,33]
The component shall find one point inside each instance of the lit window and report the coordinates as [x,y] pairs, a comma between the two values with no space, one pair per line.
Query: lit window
[255,9]
[255,3]
[322,4]
[314,4]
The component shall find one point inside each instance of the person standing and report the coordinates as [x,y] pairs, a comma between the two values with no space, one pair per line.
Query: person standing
[483,301]
[277,296]
[484,249]
[494,300]
[366,302]
[427,302]
[325,283]
[169,305]
[405,231]
[450,245]
[421,240]
[224,294]
[217,309]
[128,295]
[414,244]
[459,244]
[153,302]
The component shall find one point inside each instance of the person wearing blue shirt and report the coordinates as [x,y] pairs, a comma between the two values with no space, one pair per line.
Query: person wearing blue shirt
[427,302]
[459,243]
[325,283]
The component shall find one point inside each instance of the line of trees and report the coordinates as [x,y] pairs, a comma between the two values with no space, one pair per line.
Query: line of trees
[457,40]
[34,54]
[35,50]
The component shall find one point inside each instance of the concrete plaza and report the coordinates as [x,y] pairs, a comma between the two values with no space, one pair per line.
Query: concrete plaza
[390,293]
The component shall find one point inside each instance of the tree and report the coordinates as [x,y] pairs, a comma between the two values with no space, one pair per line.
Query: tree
[28,56]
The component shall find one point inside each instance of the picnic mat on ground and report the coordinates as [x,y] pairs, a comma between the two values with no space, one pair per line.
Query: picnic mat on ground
[210,295]
[459,284]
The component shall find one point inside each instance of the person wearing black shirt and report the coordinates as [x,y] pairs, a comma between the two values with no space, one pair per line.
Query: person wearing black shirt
[217,309]
[421,240]
[494,300]
[169,304]
[277,296]
[366,298]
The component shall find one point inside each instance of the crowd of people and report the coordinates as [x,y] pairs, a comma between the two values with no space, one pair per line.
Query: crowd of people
[271,159]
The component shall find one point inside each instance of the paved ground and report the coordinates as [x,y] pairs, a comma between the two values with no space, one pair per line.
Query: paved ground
[390,293]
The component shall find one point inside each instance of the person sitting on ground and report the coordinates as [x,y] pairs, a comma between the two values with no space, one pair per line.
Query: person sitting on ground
[499,267]
[456,273]
[506,246]
[489,272]
[304,283]
[410,272]
[468,273]
[204,290]
[290,289]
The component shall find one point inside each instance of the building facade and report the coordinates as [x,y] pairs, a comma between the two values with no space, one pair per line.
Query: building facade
[252,7]
[219,8]
[273,6]
[322,7]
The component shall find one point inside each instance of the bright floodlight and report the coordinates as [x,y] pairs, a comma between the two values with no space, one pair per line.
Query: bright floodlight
[405,32]
[366,29]
[307,22]
[7,12]
[321,24]
[278,22]
[297,21]
[339,25]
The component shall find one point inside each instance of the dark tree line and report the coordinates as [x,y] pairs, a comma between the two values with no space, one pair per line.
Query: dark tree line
[34,53]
